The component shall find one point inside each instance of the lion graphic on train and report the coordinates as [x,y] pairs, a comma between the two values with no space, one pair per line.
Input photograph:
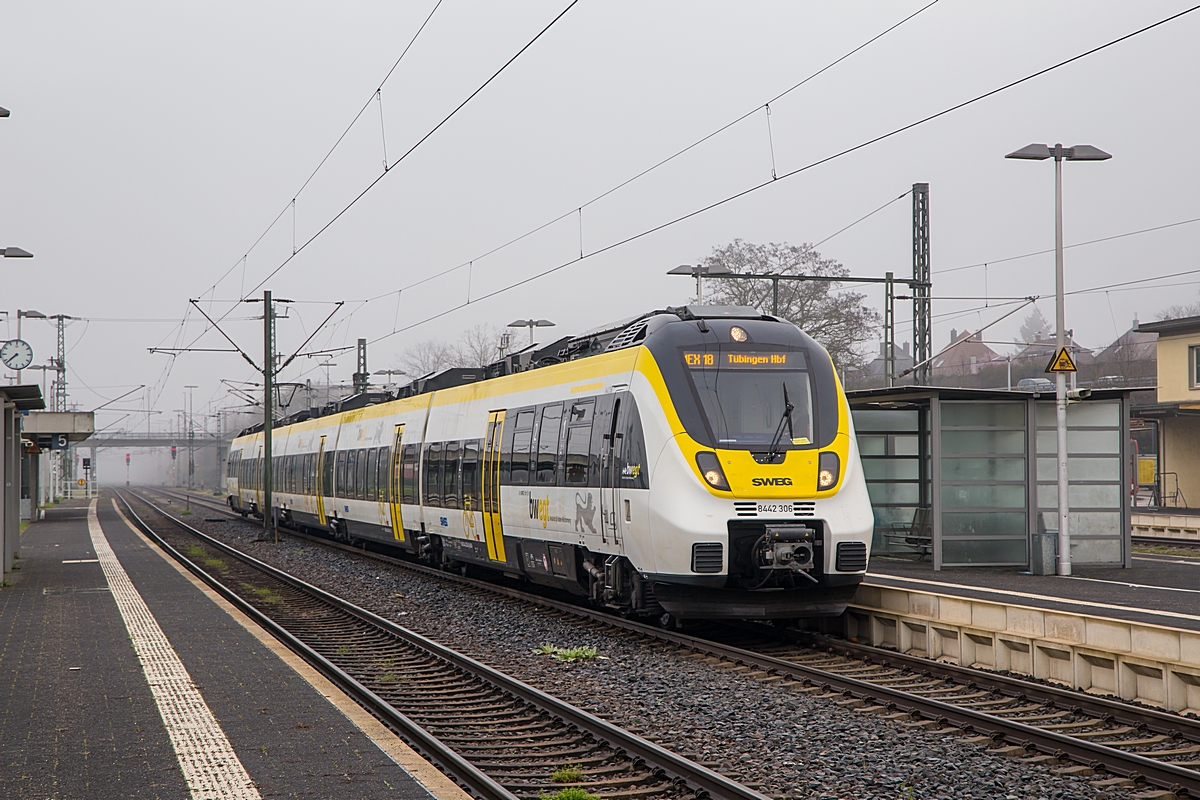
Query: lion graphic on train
[585,514]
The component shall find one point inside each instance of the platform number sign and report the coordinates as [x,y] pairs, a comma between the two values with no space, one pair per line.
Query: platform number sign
[53,441]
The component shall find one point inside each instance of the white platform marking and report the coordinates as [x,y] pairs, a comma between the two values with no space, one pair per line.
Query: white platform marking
[210,766]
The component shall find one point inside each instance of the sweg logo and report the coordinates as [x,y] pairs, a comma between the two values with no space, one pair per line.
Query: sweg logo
[771,481]
[539,509]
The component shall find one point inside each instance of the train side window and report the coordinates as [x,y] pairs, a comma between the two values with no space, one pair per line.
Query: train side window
[360,482]
[327,466]
[373,473]
[313,478]
[340,488]
[408,473]
[547,452]
[522,441]
[579,438]
[384,479]
[433,474]
[470,476]
[451,456]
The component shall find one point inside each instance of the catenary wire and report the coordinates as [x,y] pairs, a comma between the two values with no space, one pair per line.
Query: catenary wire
[578,209]
[412,148]
[1068,246]
[811,165]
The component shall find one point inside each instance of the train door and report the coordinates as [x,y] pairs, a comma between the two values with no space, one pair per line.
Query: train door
[493,530]
[258,482]
[320,483]
[395,484]
[611,451]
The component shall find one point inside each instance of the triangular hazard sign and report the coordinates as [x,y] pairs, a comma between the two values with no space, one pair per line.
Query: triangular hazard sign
[1062,362]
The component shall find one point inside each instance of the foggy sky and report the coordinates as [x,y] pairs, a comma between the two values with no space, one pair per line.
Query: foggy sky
[151,144]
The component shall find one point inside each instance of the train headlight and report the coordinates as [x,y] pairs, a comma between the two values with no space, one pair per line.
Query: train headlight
[828,468]
[710,468]
[738,334]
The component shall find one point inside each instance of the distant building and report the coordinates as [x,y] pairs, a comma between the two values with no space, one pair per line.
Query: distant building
[967,355]
[877,368]
[1175,418]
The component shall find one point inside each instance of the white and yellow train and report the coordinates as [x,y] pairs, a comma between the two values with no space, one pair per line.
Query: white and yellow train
[693,463]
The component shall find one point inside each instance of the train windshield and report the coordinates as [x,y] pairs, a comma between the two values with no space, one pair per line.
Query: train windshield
[744,396]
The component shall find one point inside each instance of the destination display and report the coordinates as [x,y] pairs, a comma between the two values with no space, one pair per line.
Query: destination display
[744,359]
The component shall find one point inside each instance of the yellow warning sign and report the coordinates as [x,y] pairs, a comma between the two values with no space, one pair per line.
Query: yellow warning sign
[1062,362]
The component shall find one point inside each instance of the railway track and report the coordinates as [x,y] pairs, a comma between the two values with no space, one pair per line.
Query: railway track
[1021,718]
[499,737]
[1167,541]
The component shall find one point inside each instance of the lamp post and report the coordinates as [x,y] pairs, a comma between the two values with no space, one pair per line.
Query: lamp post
[1080,152]
[531,324]
[699,271]
[390,373]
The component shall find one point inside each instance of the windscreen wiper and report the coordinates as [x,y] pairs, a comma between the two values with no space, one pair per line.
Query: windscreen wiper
[786,419]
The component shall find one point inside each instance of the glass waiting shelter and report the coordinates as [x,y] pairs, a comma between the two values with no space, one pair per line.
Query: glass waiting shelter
[968,477]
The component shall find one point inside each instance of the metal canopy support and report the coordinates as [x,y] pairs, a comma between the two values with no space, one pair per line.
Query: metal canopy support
[922,277]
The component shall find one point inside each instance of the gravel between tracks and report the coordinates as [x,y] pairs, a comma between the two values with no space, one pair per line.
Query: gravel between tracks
[787,744]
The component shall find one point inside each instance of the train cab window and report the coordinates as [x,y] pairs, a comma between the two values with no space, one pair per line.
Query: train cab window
[373,474]
[408,474]
[433,474]
[521,442]
[547,452]
[451,455]
[470,476]
[360,481]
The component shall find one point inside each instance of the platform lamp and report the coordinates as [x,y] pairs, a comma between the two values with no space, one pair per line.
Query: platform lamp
[698,271]
[1041,152]
[531,324]
[390,373]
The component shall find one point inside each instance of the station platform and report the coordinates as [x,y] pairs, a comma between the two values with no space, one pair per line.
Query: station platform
[1157,590]
[123,676]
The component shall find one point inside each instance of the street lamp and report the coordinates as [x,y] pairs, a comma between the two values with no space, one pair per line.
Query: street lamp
[390,373]
[1080,152]
[698,271]
[27,314]
[531,324]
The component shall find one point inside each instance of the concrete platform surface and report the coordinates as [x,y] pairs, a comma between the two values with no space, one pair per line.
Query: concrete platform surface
[80,718]
[1158,589]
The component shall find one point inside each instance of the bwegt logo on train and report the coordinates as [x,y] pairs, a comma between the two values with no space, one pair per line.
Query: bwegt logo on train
[771,481]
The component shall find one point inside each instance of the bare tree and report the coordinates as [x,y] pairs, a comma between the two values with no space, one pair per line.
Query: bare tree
[1034,328]
[478,346]
[1179,312]
[834,317]
[428,356]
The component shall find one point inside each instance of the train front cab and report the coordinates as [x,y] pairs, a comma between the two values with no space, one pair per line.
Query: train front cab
[748,518]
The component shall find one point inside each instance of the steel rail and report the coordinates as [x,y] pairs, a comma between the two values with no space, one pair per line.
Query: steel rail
[1168,541]
[1120,762]
[454,764]
[700,779]
[1068,699]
